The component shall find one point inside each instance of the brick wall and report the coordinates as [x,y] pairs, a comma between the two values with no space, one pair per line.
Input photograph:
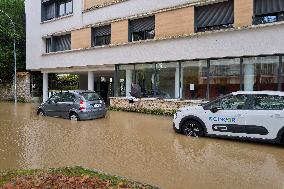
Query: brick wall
[119,32]
[243,12]
[81,38]
[175,22]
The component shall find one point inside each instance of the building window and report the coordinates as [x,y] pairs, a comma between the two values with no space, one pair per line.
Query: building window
[142,29]
[261,73]
[58,43]
[194,79]
[65,7]
[214,16]
[56,8]
[168,78]
[224,77]
[268,11]
[102,35]
[48,45]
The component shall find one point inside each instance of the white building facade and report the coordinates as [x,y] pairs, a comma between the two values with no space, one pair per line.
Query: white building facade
[190,49]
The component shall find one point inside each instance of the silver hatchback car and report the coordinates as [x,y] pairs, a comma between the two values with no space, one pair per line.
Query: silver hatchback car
[74,105]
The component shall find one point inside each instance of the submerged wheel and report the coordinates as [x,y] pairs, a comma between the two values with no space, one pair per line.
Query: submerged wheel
[282,141]
[40,113]
[192,128]
[74,117]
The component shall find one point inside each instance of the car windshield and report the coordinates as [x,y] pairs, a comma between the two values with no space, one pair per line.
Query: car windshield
[89,96]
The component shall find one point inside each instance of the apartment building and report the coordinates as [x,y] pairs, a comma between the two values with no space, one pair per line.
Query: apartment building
[189,49]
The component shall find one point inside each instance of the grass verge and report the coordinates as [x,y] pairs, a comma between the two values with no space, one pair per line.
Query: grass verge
[76,177]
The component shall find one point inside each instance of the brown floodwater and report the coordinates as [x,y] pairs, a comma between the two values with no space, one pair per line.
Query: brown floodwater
[141,147]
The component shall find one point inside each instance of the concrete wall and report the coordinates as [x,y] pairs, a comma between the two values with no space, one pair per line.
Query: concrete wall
[267,40]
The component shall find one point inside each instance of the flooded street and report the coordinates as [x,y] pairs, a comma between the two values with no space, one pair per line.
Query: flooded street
[141,147]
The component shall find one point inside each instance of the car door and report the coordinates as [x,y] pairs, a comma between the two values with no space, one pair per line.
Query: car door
[266,116]
[51,107]
[229,120]
[67,104]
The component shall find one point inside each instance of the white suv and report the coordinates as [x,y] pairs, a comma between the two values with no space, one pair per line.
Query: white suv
[242,115]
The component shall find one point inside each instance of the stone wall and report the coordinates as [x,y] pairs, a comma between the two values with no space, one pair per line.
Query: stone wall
[23,88]
[152,103]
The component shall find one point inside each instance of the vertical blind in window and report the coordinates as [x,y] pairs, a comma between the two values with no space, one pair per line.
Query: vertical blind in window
[264,7]
[102,31]
[215,15]
[142,24]
[62,43]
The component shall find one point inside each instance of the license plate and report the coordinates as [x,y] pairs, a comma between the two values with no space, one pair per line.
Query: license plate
[97,105]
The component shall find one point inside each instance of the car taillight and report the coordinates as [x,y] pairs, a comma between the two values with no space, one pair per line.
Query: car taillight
[82,105]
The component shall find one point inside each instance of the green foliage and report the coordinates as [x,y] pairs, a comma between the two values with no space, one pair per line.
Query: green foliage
[16,10]
[144,111]
[64,82]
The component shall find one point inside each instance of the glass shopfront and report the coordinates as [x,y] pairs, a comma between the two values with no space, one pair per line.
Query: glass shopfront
[261,73]
[145,78]
[224,77]
[194,79]
[126,76]
[203,79]
[168,80]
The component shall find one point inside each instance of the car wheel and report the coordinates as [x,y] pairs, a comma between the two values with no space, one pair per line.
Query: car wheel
[192,128]
[40,113]
[74,117]
[282,141]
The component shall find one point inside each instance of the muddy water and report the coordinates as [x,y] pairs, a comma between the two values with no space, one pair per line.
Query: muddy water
[141,147]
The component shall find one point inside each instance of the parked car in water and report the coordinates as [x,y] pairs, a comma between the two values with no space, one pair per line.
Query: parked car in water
[255,116]
[74,105]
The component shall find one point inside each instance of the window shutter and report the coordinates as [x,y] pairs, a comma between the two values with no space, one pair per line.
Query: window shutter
[103,30]
[62,43]
[142,24]
[262,7]
[215,15]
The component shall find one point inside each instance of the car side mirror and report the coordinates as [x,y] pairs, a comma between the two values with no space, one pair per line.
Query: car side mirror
[215,109]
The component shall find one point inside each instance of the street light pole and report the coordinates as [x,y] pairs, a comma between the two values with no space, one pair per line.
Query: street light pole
[15,56]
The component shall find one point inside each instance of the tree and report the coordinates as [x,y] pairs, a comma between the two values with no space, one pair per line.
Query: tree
[16,10]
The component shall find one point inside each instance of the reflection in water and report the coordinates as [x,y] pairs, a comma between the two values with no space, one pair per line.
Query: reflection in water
[141,147]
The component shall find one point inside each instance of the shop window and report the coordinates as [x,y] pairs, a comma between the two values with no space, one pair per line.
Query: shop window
[194,79]
[145,78]
[214,16]
[224,77]
[126,78]
[268,11]
[142,29]
[102,35]
[261,73]
[168,80]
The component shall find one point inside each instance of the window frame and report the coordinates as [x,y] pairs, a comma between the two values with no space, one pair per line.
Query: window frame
[56,4]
